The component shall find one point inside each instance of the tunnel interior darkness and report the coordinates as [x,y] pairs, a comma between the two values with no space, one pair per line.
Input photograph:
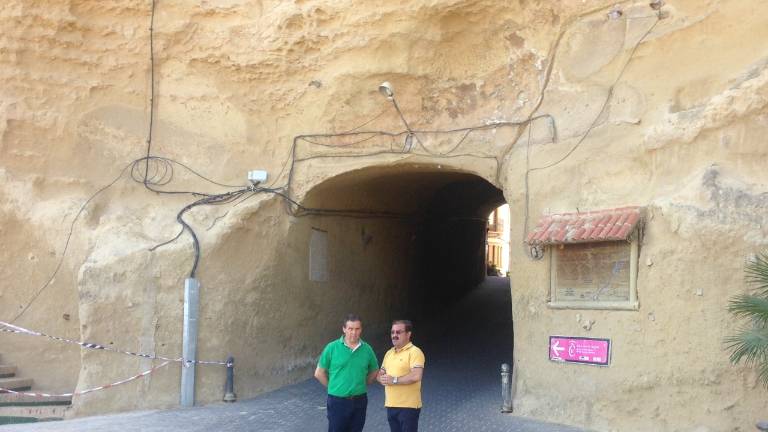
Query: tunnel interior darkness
[445,211]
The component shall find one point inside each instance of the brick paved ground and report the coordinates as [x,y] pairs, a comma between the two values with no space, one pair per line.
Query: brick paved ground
[461,388]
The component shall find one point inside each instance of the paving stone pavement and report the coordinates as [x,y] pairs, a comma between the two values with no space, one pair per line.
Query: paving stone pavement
[461,387]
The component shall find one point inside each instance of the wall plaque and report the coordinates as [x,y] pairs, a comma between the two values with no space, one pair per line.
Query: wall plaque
[598,275]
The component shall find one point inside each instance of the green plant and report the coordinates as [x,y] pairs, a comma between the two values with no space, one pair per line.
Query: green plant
[750,344]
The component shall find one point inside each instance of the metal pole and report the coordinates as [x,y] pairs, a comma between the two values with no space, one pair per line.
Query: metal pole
[189,341]
[229,387]
[506,389]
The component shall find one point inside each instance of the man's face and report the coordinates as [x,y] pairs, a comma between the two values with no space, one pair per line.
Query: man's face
[400,337]
[352,331]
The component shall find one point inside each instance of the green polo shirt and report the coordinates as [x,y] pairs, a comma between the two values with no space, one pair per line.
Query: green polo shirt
[347,369]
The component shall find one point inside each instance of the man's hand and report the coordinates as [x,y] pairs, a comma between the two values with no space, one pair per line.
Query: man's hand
[322,376]
[384,379]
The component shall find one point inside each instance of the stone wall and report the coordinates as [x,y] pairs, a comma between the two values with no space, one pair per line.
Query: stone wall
[683,134]
[660,109]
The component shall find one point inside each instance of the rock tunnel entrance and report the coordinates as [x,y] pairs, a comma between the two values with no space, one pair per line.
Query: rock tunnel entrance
[415,248]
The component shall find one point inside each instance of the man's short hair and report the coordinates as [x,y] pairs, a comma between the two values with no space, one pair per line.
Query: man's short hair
[408,324]
[351,318]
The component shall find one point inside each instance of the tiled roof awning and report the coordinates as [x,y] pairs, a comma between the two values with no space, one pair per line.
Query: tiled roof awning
[593,226]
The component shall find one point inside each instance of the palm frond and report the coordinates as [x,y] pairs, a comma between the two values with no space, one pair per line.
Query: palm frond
[762,373]
[756,272]
[748,306]
[750,345]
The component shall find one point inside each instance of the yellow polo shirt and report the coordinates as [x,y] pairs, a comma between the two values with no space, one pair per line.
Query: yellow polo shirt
[397,364]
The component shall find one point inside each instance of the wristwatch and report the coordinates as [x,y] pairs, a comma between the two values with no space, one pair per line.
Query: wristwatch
[394,380]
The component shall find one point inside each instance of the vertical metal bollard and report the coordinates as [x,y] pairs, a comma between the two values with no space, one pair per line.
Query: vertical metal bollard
[189,341]
[229,387]
[506,389]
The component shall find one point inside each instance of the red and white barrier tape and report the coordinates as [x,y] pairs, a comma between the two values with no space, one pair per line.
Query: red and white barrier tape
[90,390]
[10,328]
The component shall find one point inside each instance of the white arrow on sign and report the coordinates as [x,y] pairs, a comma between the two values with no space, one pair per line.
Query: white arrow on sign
[556,348]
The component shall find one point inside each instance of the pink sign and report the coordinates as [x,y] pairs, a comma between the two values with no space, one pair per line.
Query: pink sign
[580,350]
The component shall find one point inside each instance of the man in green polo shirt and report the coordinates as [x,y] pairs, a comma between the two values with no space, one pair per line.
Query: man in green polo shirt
[346,367]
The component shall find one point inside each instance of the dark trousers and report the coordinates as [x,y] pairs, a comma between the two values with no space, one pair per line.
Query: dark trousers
[346,414]
[403,419]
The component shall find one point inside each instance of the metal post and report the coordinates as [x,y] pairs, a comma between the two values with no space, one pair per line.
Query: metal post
[189,341]
[229,387]
[506,389]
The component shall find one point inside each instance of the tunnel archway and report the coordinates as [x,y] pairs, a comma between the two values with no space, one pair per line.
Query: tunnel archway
[412,239]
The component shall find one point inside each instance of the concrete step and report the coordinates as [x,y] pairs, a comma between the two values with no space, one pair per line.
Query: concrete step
[16,408]
[10,399]
[16,383]
[16,420]
[7,371]
[40,413]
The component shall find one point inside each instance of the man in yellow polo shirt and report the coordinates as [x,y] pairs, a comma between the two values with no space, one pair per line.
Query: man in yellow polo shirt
[400,374]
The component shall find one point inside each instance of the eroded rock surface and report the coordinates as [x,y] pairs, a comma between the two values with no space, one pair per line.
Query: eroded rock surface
[664,109]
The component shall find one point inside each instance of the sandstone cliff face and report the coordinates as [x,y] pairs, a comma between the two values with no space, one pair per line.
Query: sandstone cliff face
[667,113]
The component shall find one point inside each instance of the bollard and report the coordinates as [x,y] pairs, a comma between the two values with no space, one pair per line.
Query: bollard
[506,389]
[762,425]
[229,387]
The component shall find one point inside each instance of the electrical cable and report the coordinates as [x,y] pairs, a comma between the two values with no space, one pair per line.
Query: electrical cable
[209,200]
[176,237]
[373,135]
[368,122]
[302,210]
[534,252]
[548,76]
[292,158]
[66,243]
[159,171]
[163,173]
[151,89]
[166,164]
[242,199]
[164,178]
[537,254]
[605,102]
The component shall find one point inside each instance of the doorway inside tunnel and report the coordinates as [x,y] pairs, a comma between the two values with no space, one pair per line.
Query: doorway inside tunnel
[417,243]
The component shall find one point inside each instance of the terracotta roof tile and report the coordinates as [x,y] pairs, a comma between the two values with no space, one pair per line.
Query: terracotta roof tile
[601,225]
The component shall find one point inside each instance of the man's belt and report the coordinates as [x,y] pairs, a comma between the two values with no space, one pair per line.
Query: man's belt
[351,397]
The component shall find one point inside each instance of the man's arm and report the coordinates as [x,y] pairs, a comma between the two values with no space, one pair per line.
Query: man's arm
[322,376]
[372,376]
[411,377]
[373,367]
